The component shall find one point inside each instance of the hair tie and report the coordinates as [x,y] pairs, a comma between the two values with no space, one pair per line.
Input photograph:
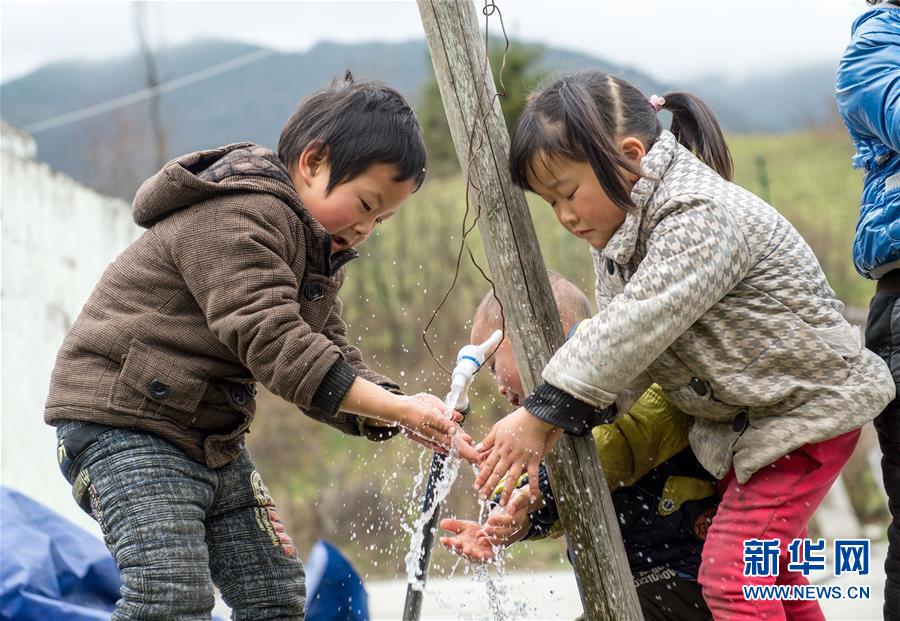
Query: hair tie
[657,102]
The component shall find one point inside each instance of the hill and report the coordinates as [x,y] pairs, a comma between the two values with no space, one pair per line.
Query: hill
[113,151]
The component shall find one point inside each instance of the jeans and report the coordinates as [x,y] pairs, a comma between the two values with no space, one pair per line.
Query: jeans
[176,527]
[883,337]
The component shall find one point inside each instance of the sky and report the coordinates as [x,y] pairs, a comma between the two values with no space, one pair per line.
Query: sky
[669,39]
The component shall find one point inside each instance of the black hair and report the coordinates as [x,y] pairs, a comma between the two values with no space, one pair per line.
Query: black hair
[360,124]
[582,115]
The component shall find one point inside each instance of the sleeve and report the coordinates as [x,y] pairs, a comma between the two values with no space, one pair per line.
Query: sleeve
[868,84]
[695,255]
[650,433]
[233,257]
[543,522]
[336,331]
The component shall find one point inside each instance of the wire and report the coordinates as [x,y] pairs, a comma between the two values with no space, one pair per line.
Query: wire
[147,93]
[488,10]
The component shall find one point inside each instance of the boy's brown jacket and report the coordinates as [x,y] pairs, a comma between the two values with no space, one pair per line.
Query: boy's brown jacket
[232,283]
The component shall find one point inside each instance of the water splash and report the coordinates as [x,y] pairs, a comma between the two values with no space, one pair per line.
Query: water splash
[442,487]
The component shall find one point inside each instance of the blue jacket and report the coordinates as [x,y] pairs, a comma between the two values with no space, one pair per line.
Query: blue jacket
[868,98]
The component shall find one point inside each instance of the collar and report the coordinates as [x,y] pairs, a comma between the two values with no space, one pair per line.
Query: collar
[334,262]
[318,241]
[620,247]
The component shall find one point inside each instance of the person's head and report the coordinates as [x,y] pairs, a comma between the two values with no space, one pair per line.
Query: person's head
[355,154]
[579,142]
[573,307]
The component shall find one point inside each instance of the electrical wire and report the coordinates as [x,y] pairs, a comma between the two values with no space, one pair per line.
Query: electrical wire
[488,10]
[146,93]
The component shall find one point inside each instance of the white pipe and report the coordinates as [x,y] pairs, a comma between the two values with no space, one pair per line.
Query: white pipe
[468,361]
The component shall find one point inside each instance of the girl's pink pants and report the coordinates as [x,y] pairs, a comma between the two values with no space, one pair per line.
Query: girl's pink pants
[776,503]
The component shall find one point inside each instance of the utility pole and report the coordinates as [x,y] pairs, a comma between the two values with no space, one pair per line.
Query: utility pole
[517,267]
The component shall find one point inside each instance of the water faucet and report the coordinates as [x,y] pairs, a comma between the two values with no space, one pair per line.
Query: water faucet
[468,361]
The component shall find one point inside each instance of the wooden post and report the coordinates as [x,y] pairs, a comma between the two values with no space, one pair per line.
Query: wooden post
[517,267]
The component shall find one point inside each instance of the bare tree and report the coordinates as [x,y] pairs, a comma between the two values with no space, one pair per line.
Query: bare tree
[153,81]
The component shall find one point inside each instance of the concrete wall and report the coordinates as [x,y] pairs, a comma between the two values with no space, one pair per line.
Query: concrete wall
[57,238]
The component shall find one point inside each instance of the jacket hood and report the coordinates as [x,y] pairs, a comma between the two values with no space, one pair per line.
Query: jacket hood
[199,176]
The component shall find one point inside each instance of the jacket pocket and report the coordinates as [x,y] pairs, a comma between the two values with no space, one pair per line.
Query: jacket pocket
[156,382]
[697,398]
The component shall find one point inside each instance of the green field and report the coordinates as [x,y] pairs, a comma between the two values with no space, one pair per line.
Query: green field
[358,494]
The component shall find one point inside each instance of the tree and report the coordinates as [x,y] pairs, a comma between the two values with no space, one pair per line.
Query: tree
[521,74]
[153,81]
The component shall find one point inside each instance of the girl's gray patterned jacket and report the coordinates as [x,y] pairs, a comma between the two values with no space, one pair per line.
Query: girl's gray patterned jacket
[708,291]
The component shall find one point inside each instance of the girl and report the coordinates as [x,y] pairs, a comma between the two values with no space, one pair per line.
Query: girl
[707,291]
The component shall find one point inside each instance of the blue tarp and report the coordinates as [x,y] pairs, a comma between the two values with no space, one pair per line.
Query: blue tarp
[334,590]
[50,569]
[53,570]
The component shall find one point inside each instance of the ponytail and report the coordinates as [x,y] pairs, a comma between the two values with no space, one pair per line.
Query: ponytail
[695,127]
[581,115]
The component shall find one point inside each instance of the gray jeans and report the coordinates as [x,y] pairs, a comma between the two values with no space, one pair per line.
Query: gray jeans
[175,527]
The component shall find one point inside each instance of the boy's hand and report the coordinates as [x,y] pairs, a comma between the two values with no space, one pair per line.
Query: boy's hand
[515,444]
[468,540]
[506,526]
[422,419]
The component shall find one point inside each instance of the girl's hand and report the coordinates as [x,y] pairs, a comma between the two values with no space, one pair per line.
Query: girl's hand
[468,541]
[515,444]
[422,420]
[506,526]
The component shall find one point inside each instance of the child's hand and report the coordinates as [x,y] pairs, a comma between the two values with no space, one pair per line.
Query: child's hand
[506,526]
[517,442]
[422,419]
[468,541]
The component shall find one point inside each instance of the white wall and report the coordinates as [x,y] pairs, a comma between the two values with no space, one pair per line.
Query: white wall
[57,238]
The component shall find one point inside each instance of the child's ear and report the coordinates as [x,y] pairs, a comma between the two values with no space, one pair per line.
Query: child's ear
[313,161]
[633,149]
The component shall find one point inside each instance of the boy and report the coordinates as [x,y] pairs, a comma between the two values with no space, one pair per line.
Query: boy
[868,98]
[235,281]
[663,496]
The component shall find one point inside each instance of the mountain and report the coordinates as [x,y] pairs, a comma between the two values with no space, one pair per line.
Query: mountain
[776,102]
[114,150]
[251,102]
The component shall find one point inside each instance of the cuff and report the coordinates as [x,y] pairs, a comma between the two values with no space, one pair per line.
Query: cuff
[334,387]
[561,409]
[392,388]
[543,521]
[376,433]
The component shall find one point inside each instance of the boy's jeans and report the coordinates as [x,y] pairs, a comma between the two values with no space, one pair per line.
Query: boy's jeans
[175,527]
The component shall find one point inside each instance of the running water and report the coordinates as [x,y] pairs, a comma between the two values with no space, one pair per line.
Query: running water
[496,591]
[469,360]
[441,489]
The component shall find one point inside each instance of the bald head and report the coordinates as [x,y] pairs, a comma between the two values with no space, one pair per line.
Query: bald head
[572,304]
[573,307]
